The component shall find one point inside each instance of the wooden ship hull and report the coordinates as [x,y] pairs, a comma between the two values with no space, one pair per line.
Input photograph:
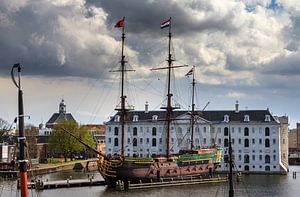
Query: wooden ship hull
[136,170]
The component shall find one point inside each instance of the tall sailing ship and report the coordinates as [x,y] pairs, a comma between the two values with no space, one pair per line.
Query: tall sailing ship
[201,161]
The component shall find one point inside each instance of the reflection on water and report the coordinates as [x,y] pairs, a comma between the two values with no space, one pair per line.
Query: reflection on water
[251,185]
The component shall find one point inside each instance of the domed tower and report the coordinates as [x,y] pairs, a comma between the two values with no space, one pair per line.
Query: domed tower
[62,107]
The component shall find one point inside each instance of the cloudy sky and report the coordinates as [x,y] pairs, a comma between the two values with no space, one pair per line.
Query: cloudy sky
[245,50]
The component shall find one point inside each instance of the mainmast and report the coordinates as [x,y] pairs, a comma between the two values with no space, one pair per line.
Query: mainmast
[193,108]
[169,108]
[231,191]
[21,139]
[122,109]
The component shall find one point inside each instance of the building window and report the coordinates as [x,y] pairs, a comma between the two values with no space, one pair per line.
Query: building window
[246,158]
[267,131]
[232,140]
[240,129]
[116,142]
[246,168]
[253,157]
[154,131]
[134,131]
[267,143]
[179,131]
[240,140]
[253,130]
[246,131]
[274,157]
[204,129]
[179,141]
[226,131]
[135,118]
[213,140]
[204,140]
[154,142]
[246,143]
[128,140]
[109,140]
[246,118]
[160,140]
[219,141]
[116,131]
[267,118]
[226,118]
[225,142]
[260,141]
[240,157]
[147,140]
[267,159]
[141,140]
[109,129]
[134,142]
[274,141]
[253,141]
[260,157]
[154,117]
[117,118]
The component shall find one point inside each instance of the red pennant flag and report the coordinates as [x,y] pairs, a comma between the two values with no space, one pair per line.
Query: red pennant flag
[120,23]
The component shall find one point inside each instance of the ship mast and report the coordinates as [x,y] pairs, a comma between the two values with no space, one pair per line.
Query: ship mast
[169,108]
[231,191]
[193,108]
[21,139]
[123,109]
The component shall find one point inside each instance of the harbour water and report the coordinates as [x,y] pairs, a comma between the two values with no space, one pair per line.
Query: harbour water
[251,185]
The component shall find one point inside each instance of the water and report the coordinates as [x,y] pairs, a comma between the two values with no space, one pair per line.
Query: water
[251,185]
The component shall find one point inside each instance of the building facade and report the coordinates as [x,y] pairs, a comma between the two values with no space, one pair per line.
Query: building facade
[97,131]
[42,146]
[294,139]
[256,136]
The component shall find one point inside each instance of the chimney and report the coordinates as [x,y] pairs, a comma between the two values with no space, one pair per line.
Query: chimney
[237,107]
[146,107]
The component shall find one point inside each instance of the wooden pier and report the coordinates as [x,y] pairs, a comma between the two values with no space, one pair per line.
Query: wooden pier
[120,186]
[41,185]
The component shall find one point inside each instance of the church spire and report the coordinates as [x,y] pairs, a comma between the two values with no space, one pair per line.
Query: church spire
[62,106]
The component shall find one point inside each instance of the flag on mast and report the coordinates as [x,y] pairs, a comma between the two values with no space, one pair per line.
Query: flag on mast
[120,23]
[190,72]
[165,24]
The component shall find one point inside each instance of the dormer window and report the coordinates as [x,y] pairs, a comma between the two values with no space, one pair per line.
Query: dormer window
[226,118]
[154,117]
[117,118]
[246,118]
[267,118]
[135,118]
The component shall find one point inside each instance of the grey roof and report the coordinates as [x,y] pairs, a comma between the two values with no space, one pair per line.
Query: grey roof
[58,117]
[212,116]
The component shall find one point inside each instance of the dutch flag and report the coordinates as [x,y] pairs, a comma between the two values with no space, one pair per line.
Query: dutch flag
[165,24]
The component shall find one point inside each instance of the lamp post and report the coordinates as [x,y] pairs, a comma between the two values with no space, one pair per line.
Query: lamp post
[21,139]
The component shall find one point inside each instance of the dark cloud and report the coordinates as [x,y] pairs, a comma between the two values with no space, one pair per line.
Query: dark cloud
[50,40]
[287,65]
[145,16]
